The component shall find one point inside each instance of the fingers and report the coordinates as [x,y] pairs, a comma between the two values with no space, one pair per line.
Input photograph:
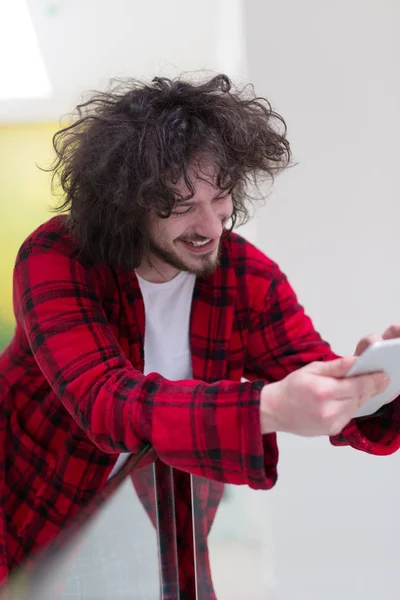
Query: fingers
[391,332]
[319,400]
[367,341]
[361,387]
[333,368]
[349,395]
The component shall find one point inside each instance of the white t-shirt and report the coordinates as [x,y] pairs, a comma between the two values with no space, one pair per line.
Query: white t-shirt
[166,340]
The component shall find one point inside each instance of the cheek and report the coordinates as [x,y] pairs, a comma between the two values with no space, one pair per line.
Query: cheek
[227,209]
[164,231]
[174,228]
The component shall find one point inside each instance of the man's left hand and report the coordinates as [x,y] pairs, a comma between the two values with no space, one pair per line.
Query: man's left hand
[390,333]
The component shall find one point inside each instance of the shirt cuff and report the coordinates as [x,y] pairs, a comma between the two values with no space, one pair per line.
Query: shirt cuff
[377,434]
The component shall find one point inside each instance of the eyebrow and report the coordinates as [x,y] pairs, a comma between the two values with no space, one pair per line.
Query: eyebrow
[188,201]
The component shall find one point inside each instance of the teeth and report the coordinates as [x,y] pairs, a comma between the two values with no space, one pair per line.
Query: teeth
[198,244]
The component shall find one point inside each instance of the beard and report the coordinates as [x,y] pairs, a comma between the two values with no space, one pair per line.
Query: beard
[206,264]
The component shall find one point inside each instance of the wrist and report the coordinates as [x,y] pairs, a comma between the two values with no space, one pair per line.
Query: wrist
[268,418]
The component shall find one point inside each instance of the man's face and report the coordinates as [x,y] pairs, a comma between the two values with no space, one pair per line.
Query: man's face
[189,239]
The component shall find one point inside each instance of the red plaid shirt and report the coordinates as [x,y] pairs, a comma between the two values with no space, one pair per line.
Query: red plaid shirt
[73,393]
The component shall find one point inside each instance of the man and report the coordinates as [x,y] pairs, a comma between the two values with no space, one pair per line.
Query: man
[139,313]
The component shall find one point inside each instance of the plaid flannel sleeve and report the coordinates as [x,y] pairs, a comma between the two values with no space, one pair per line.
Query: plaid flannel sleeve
[283,339]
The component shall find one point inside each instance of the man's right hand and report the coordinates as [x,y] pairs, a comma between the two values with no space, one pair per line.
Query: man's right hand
[317,399]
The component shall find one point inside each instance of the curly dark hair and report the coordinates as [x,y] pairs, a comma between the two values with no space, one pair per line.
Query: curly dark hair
[117,160]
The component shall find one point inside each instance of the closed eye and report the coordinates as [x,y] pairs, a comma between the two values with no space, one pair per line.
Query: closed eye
[181,212]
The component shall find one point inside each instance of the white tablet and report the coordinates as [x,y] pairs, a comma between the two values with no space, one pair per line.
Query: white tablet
[380,356]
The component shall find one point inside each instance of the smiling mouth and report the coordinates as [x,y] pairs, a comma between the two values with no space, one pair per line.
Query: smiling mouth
[199,246]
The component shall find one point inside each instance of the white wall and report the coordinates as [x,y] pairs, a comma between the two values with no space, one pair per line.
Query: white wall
[332,223]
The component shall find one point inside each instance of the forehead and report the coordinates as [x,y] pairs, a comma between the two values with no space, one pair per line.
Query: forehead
[201,175]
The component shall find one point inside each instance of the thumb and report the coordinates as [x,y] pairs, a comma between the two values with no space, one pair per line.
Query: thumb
[337,368]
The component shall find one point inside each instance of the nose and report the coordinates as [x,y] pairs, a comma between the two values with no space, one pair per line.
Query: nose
[210,224]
